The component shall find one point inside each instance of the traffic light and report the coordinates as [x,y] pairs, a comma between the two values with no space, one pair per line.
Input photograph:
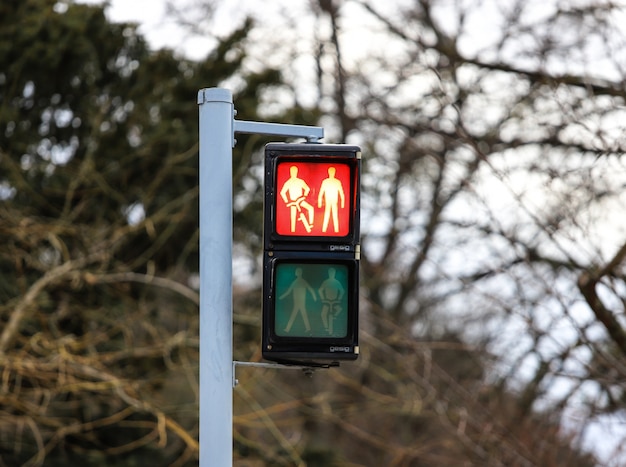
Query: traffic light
[311,253]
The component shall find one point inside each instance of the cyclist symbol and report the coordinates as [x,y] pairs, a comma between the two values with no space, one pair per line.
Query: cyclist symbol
[298,190]
[331,292]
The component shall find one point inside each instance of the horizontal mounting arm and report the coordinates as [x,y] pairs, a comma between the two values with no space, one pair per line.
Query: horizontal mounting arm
[307,369]
[311,133]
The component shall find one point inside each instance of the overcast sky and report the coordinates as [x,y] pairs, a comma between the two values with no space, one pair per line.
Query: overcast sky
[161,32]
[150,15]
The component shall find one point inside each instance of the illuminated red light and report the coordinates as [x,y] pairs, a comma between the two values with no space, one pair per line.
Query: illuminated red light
[313,199]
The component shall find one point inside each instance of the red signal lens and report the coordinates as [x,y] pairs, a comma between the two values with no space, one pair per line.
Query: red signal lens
[313,199]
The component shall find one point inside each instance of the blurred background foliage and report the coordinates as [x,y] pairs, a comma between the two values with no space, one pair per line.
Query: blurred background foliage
[493,291]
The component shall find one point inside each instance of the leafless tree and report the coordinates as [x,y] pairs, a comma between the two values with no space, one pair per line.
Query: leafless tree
[493,241]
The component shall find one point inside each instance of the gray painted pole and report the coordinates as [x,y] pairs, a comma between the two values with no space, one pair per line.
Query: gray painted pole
[216,239]
[216,134]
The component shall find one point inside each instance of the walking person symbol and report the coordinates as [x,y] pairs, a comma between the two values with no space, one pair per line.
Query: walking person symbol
[331,193]
[299,288]
[298,190]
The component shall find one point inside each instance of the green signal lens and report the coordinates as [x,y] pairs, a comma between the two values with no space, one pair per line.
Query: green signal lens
[311,300]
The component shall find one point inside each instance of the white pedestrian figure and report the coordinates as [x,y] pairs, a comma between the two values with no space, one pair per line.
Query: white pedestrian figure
[331,193]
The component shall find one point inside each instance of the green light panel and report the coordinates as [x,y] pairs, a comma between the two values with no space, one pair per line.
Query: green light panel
[311,300]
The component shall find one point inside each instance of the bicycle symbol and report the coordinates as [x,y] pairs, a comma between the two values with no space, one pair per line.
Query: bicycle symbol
[298,190]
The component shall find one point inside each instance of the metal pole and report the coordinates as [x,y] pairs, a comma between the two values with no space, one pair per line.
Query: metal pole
[216,234]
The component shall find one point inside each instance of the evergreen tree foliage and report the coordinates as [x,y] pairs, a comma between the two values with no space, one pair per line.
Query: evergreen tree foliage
[99,233]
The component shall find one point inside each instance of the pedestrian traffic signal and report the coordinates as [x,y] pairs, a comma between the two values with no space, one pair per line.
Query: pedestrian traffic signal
[295,297]
[311,196]
[311,308]
[311,253]
[295,216]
